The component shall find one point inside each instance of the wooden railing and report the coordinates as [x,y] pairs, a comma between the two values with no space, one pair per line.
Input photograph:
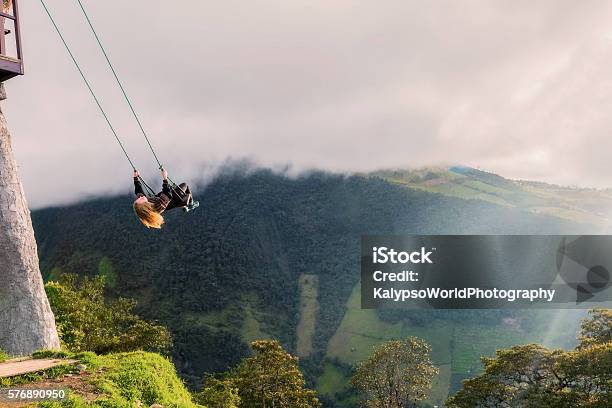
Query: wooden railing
[10,65]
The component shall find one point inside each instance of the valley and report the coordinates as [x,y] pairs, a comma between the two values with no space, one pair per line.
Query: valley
[266,256]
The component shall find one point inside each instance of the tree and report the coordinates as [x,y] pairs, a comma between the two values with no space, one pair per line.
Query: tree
[26,320]
[397,375]
[520,375]
[597,329]
[87,322]
[218,393]
[534,376]
[271,378]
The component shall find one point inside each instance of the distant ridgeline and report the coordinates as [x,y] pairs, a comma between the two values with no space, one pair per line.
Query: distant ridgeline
[233,270]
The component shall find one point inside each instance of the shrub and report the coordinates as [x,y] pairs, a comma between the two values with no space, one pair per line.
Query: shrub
[87,322]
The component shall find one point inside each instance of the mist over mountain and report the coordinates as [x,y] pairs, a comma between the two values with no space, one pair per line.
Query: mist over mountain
[271,256]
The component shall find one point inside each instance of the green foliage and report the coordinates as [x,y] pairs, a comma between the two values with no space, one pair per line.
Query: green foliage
[3,356]
[106,270]
[398,374]
[52,354]
[597,329]
[271,378]
[534,376]
[124,379]
[73,401]
[87,322]
[140,376]
[218,393]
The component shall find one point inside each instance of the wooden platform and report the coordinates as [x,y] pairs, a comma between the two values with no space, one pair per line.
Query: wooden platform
[16,367]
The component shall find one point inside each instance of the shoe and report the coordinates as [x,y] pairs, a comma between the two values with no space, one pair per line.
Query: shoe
[191,206]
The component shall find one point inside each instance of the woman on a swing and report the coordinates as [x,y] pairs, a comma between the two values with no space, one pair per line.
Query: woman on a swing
[149,209]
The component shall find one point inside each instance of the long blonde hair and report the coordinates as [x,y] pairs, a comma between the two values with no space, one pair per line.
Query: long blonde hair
[148,216]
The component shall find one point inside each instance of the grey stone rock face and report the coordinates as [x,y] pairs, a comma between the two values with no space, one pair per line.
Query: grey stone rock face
[26,320]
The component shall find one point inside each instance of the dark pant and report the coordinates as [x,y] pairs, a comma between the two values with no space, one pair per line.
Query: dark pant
[181,196]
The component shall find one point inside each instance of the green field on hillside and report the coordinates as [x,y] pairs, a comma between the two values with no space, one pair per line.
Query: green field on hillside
[571,203]
[309,306]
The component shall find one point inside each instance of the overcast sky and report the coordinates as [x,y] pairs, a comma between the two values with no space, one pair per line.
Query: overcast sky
[521,88]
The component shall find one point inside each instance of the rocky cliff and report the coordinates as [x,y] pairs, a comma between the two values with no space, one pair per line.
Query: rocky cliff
[26,320]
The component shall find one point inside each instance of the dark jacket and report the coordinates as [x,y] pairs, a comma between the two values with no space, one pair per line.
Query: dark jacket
[160,201]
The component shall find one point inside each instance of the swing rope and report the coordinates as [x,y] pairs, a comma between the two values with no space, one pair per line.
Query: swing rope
[150,191]
[175,187]
[91,91]
[112,68]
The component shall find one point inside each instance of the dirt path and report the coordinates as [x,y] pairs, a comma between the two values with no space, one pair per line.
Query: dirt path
[11,368]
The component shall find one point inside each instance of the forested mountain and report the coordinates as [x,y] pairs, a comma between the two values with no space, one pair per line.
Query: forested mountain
[270,256]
